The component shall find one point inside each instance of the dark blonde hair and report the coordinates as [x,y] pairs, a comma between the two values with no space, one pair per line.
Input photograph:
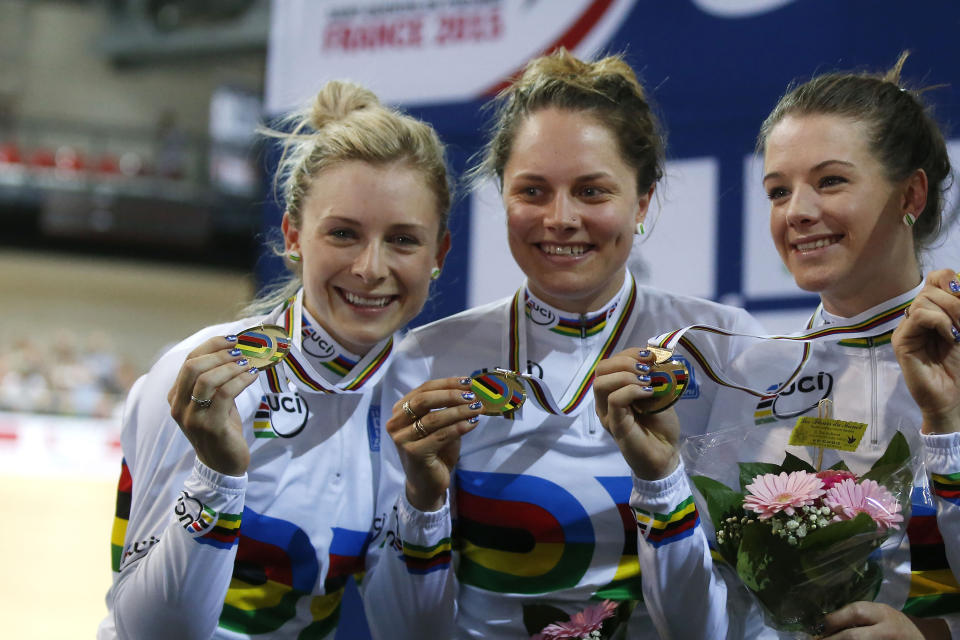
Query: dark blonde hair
[607,89]
[902,134]
[347,122]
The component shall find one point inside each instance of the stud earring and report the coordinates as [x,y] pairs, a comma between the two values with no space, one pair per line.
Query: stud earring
[640,228]
[909,219]
[294,257]
[434,273]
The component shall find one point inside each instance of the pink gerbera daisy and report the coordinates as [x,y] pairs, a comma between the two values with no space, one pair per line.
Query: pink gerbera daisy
[848,498]
[831,477]
[771,493]
[580,625]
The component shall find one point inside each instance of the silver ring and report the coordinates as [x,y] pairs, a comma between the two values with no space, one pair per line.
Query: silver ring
[410,412]
[906,312]
[418,427]
[203,404]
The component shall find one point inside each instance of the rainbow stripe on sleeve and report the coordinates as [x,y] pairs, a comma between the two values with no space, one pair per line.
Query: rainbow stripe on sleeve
[947,487]
[224,534]
[121,517]
[665,528]
[421,560]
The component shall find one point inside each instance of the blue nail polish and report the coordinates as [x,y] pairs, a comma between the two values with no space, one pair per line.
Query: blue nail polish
[242,362]
[235,352]
[956,334]
[476,405]
[231,338]
[955,286]
[473,420]
[254,370]
[644,353]
[643,378]
[465,380]
[645,368]
[650,389]
[468,395]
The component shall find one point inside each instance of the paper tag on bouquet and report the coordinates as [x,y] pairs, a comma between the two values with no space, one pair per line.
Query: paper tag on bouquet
[827,433]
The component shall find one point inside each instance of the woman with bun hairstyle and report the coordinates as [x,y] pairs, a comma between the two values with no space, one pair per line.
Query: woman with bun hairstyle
[539,494]
[248,497]
[855,169]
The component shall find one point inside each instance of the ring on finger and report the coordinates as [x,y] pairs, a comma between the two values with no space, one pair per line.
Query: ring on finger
[906,312]
[419,428]
[409,411]
[203,404]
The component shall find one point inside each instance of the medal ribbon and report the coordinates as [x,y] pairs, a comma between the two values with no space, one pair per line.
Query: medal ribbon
[301,373]
[867,324]
[577,391]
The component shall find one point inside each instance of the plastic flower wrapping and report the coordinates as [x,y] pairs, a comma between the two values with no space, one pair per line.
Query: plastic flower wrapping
[804,541]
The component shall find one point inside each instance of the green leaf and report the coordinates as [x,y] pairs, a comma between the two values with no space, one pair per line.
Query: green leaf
[537,616]
[753,559]
[793,463]
[840,466]
[897,453]
[721,500]
[750,470]
[838,532]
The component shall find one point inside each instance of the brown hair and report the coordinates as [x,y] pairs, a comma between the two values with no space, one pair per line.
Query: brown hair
[902,134]
[608,89]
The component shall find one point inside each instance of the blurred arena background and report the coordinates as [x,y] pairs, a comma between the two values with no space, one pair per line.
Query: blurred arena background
[134,197]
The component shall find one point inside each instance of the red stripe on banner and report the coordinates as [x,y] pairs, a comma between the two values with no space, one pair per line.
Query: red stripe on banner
[9,436]
[570,39]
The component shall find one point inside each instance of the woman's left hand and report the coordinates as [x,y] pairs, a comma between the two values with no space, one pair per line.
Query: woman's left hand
[875,621]
[927,346]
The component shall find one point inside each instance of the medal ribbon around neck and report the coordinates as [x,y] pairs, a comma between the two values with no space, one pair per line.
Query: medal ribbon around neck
[298,371]
[859,327]
[578,389]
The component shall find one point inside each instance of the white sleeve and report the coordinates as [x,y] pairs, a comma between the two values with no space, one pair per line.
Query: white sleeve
[410,587]
[685,595]
[173,585]
[942,456]
[176,554]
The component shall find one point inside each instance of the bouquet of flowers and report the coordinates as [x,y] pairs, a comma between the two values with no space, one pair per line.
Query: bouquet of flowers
[805,542]
[605,620]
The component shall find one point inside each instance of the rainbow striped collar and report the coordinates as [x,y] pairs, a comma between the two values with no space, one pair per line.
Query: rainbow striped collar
[541,315]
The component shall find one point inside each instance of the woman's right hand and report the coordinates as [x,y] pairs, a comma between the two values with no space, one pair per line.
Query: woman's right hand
[218,372]
[445,409]
[648,441]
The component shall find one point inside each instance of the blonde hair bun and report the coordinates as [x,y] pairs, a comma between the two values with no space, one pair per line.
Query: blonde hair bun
[337,100]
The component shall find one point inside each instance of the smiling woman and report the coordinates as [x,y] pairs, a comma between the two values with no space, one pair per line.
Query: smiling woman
[248,498]
[541,490]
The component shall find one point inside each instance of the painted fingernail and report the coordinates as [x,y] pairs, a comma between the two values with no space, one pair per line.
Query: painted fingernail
[475,405]
[468,395]
[465,380]
[956,334]
[643,378]
[254,370]
[473,420]
[648,388]
[235,352]
[955,286]
[644,353]
[242,362]
[231,338]
[645,368]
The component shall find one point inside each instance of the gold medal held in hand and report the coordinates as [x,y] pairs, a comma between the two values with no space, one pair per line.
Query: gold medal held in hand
[668,377]
[264,345]
[499,391]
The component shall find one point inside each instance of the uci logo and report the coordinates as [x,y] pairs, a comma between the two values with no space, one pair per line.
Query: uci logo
[540,315]
[800,397]
[316,345]
[288,413]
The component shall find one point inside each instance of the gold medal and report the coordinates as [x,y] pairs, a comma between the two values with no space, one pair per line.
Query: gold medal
[499,391]
[668,377]
[264,345]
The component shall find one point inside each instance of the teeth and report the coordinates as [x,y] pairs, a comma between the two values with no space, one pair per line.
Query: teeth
[564,250]
[361,301]
[816,244]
